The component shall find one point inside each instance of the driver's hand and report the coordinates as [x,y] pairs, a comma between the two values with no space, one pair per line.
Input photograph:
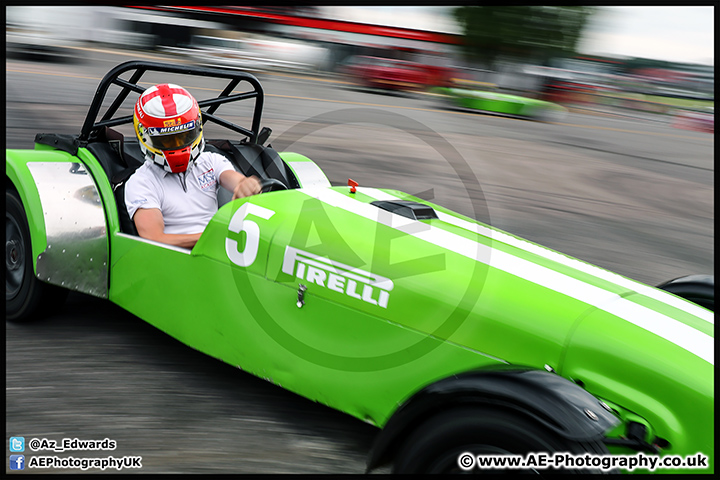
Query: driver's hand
[246,187]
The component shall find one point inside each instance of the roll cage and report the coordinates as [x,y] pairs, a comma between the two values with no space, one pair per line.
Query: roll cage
[208,106]
[120,157]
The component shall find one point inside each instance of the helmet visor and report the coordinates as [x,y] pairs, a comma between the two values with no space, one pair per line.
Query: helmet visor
[174,137]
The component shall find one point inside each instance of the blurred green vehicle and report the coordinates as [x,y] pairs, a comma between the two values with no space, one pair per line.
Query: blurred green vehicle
[504,104]
[447,334]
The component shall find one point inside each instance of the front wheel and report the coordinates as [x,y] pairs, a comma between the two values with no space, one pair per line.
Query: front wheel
[437,444]
[698,289]
[25,296]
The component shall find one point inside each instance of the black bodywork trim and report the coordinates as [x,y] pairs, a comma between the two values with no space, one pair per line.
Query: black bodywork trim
[407,208]
[66,143]
[550,399]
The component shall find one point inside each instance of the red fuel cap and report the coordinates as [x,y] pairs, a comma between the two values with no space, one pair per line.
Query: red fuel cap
[352,183]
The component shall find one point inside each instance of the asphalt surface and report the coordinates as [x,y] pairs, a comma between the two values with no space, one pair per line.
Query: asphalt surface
[629,195]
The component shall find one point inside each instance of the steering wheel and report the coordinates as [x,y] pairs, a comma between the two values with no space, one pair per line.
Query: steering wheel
[271,184]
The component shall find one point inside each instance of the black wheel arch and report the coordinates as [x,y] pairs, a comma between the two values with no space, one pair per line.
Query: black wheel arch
[547,398]
[699,289]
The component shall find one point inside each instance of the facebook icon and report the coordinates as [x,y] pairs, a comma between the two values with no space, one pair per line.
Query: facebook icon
[17,462]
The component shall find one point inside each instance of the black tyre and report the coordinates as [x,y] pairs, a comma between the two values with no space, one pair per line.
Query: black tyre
[25,296]
[434,447]
[698,289]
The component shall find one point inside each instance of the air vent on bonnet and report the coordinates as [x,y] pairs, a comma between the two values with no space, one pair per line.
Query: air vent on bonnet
[407,208]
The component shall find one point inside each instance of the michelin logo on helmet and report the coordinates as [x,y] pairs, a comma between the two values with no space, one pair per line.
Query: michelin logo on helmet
[170,130]
[336,276]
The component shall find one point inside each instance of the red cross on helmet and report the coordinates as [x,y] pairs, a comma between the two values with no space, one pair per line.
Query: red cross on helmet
[168,125]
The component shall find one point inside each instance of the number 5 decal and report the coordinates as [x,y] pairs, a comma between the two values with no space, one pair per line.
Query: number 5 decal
[238,223]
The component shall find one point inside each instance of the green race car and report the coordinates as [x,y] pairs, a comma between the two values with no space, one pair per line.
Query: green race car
[449,335]
[506,104]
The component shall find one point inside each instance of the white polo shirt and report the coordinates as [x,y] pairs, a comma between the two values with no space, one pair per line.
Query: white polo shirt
[185,209]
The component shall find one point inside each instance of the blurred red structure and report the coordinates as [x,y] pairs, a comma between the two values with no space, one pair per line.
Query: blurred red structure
[395,74]
[301,19]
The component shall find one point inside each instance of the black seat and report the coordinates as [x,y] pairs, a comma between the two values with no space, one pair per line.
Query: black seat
[115,154]
[252,159]
[119,159]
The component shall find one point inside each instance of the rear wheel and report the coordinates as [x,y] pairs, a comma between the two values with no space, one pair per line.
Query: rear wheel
[436,445]
[25,296]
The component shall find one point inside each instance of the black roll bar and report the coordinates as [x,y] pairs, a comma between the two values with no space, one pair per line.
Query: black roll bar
[140,67]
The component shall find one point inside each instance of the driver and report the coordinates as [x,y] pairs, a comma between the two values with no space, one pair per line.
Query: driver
[173,195]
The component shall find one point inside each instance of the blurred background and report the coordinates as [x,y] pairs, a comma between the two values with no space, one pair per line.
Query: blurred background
[433,101]
[626,58]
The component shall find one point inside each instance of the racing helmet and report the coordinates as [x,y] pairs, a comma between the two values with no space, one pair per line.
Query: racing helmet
[168,125]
